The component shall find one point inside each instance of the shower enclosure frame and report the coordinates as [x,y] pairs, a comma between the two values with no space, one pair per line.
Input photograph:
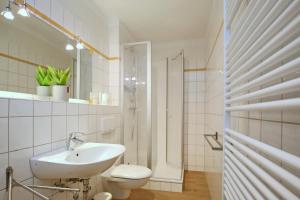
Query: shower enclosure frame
[180,54]
[149,103]
[164,170]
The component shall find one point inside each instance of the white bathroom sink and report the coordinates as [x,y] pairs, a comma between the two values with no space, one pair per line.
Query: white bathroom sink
[86,160]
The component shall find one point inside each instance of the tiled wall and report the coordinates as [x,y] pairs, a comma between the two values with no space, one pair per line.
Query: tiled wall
[279,129]
[214,119]
[100,74]
[87,22]
[194,100]
[114,65]
[164,186]
[29,128]
[214,99]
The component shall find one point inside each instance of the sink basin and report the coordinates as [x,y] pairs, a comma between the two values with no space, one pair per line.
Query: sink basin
[86,160]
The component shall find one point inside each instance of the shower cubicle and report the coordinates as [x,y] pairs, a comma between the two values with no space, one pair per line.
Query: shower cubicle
[159,148]
[168,141]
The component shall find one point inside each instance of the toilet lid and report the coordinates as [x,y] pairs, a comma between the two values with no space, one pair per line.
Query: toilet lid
[131,172]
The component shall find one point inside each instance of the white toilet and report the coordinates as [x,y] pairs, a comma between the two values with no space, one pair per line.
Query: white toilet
[119,180]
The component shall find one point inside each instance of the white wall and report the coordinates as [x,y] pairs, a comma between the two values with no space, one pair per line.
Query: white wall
[32,127]
[194,102]
[214,99]
[83,19]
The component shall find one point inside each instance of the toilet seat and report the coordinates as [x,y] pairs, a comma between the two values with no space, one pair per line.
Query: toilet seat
[131,172]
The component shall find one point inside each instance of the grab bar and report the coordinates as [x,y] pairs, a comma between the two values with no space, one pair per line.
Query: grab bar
[10,182]
[219,146]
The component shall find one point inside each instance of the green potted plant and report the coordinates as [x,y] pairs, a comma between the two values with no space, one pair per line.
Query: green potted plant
[60,78]
[44,81]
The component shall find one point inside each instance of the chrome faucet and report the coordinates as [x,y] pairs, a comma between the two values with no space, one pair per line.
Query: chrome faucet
[73,137]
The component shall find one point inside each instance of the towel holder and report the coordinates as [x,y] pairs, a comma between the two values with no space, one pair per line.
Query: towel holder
[219,146]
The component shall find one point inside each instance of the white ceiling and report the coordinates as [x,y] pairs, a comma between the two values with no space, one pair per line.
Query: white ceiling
[160,20]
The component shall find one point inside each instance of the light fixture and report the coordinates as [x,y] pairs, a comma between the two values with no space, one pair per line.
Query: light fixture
[79,45]
[23,11]
[69,46]
[7,13]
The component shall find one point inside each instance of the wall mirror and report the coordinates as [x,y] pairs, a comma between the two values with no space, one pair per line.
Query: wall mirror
[29,42]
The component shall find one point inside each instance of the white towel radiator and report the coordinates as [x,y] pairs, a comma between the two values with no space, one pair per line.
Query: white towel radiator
[262,75]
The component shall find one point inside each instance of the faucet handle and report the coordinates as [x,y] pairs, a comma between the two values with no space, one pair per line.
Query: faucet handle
[73,137]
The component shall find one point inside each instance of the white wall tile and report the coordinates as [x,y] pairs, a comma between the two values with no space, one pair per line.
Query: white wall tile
[58,145]
[83,123]
[42,130]
[43,6]
[69,20]
[83,109]
[59,108]
[92,128]
[92,109]
[3,166]
[78,27]
[57,12]
[72,124]
[20,193]
[165,186]
[176,187]
[46,131]
[255,129]
[291,138]
[41,149]
[271,133]
[291,116]
[72,109]
[20,133]
[3,135]
[59,128]
[3,107]
[42,108]
[19,160]
[155,185]
[20,108]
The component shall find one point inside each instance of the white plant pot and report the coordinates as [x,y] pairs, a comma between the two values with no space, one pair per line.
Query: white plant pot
[43,91]
[60,92]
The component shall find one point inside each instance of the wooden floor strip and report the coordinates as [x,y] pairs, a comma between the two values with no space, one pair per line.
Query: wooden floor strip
[195,188]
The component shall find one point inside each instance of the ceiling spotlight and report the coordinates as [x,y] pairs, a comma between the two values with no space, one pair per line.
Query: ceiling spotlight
[23,11]
[7,13]
[69,47]
[79,45]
